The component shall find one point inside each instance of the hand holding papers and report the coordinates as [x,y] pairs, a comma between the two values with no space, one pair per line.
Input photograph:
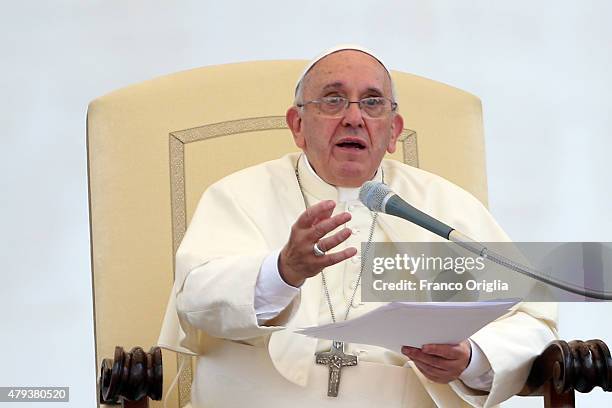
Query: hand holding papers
[414,324]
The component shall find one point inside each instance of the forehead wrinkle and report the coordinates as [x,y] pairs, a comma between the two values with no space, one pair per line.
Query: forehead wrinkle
[333,85]
[340,84]
[320,71]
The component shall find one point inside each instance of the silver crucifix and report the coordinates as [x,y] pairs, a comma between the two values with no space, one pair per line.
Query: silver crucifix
[335,359]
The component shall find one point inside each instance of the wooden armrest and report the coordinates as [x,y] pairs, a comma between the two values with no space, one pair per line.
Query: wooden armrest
[131,377]
[564,367]
[560,369]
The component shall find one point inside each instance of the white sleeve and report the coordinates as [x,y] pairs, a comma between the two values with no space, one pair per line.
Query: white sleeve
[272,293]
[478,374]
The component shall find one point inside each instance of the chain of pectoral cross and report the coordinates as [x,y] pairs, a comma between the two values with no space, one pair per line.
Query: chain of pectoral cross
[335,358]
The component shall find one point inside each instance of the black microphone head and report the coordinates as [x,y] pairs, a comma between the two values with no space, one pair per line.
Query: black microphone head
[372,194]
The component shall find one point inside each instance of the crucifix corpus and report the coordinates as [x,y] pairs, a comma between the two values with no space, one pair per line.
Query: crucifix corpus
[335,359]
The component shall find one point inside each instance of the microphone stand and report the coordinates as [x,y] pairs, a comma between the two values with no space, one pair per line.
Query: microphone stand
[479,249]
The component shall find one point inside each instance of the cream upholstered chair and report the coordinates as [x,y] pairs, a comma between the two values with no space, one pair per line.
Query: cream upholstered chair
[154,147]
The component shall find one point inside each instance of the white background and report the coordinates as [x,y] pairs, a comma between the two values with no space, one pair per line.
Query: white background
[542,68]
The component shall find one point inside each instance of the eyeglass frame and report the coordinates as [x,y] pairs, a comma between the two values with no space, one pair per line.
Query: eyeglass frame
[348,104]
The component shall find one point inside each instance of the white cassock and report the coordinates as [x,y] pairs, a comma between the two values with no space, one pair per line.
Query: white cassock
[242,219]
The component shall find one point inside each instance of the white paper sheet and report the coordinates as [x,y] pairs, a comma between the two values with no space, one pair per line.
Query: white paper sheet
[414,324]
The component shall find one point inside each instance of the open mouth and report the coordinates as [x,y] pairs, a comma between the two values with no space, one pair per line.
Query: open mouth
[351,144]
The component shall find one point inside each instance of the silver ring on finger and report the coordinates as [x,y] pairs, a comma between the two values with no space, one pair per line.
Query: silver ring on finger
[317,251]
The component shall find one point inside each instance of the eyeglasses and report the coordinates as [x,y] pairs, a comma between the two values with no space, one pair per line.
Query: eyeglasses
[335,106]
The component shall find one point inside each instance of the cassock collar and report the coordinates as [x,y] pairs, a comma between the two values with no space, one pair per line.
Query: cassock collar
[317,187]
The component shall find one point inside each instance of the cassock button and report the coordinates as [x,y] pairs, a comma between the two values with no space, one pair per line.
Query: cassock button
[355,231]
[356,259]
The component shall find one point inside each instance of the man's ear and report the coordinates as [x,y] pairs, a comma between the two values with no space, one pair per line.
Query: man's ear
[396,129]
[294,121]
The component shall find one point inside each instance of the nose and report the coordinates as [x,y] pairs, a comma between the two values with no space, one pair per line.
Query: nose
[353,116]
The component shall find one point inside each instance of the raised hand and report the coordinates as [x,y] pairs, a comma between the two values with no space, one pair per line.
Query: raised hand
[297,261]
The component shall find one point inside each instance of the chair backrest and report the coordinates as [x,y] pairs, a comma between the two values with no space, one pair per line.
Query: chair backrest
[154,147]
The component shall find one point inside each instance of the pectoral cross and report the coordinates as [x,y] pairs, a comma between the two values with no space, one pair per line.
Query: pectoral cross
[335,359]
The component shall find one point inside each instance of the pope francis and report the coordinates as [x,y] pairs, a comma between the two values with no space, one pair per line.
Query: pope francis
[275,247]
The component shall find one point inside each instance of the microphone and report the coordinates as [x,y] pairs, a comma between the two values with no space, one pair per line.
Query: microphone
[379,197]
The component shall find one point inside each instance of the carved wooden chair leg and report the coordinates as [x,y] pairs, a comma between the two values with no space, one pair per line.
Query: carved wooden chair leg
[131,378]
[564,368]
[554,400]
[143,403]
